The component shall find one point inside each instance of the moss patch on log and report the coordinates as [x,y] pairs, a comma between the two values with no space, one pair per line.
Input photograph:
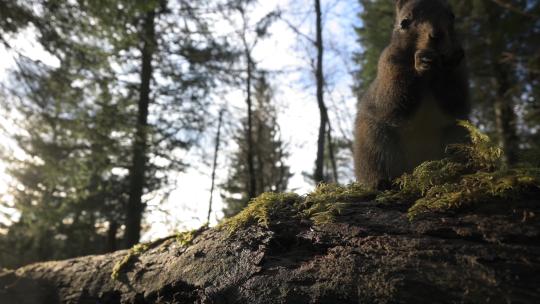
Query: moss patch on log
[320,206]
[132,254]
[185,238]
[329,200]
[263,210]
[473,173]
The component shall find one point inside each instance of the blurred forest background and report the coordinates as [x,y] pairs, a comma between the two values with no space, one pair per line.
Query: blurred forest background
[95,137]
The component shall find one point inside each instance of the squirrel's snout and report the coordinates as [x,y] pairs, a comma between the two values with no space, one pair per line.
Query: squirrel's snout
[425,60]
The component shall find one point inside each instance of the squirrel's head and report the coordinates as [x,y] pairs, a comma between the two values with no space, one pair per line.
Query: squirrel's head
[426,29]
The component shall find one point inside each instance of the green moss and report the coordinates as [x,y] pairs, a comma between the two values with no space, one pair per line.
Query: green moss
[185,239]
[329,200]
[134,252]
[263,210]
[412,187]
[482,153]
[140,249]
[321,206]
[473,173]
[480,187]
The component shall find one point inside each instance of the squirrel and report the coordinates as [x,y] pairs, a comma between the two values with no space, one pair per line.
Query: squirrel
[409,113]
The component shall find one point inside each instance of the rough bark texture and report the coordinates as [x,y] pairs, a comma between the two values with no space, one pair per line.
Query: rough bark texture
[318,176]
[135,207]
[214,165]
[249,101]
[505,114]
[371,254]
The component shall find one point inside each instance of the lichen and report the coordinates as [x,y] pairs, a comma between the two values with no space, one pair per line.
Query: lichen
[134,252]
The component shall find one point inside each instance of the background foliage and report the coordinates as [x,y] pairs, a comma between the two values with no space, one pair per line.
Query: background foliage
[134,86]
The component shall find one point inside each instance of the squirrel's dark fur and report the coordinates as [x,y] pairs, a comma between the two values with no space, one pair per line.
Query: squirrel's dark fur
[408,114]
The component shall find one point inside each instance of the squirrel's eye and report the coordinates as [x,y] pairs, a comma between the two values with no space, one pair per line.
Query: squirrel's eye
[405,23]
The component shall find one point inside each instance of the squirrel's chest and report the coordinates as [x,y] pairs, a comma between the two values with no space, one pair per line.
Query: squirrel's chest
[427,118]
[422,134]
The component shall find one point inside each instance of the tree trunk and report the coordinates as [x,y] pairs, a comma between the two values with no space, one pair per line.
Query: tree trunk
[111,236]
[252,187]
[319,76]
[135,207]
[261,167]
[371,253]
[505,116]
[214,166]
[332,155]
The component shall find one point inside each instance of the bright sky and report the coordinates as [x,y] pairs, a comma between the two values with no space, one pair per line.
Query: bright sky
[24,42]
[187,206]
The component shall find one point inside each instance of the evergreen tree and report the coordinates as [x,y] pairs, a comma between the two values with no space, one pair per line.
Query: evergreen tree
[14,16]
[271,172]
[81,124]
[501,44]
[65,186]
[374,35]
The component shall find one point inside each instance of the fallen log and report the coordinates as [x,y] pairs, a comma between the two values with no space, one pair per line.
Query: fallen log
[370,252]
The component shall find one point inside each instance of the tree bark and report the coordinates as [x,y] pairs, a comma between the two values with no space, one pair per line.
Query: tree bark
[111,236]
[252,187]
[214,166]
[505,115]
[135,207]
[319,77]
[371,253]
[332,155]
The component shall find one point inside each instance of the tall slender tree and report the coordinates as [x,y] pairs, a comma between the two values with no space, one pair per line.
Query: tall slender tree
[135,207]
[179,62]
[249,34]
[104,125]
[324,137]
[269,154]
[493,33]
[323,110]
[214,165]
